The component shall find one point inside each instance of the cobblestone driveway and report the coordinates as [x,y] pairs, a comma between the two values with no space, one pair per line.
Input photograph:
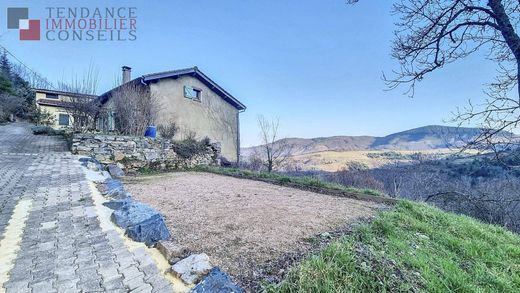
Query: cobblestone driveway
[50,234]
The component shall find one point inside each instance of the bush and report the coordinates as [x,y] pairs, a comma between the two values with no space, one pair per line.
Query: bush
[190,147]
[42,117]
[168,130]
[46,130]
[358,179]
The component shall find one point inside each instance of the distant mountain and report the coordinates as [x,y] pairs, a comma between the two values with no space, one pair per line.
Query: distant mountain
[422,138]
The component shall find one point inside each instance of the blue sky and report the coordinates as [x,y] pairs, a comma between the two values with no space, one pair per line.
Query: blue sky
[317,65]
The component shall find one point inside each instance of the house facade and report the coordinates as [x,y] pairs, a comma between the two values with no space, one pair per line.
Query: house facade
[195,103]
[186,97]
[57,105]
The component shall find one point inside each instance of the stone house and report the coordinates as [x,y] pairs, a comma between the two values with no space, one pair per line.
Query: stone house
[186,97]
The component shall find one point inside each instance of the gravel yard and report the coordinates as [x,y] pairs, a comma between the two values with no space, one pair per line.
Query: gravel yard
[243,224]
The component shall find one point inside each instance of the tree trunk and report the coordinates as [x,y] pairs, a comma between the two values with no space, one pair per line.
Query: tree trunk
[508,32]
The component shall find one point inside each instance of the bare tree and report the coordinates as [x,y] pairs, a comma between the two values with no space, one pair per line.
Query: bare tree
[9,104]
[135,108]
[432,34]
[275,152]
[82,103]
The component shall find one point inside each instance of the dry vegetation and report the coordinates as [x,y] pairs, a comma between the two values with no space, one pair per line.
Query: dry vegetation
[332,161]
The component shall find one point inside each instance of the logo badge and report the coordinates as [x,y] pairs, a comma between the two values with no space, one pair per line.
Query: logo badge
[18,18]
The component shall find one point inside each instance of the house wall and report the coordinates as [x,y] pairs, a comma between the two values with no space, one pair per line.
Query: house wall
[212,116]
[54,111]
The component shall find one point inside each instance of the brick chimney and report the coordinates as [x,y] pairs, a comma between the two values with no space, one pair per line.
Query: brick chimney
[127,74]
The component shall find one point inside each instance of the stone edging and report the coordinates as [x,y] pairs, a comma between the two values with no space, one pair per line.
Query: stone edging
[144,224]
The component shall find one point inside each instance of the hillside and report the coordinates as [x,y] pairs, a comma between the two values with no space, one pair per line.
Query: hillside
[423,138]
[413,248]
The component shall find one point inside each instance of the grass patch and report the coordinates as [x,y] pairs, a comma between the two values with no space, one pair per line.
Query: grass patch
[302,181]
[149,171]
[413,247]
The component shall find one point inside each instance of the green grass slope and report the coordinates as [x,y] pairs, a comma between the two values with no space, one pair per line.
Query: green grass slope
[413,248]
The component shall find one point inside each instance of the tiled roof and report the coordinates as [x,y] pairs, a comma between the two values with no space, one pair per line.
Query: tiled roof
[53,103]
[64,93]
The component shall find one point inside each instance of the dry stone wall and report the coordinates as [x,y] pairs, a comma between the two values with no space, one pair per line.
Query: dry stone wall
[142,152]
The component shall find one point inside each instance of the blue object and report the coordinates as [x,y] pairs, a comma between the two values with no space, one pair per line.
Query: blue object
[216,282]
[151,131]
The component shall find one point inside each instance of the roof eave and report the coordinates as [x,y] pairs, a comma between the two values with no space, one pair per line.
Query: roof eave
[213,85]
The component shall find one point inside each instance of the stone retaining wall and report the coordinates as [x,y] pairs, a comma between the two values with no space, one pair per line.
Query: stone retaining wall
[141,152]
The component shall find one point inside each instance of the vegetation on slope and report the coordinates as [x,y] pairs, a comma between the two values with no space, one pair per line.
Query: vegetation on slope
[299,181]
[413,247]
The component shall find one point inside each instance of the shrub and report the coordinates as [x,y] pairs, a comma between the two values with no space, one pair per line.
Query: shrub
[190,147]
[42,117]
[39,130]
[168,130]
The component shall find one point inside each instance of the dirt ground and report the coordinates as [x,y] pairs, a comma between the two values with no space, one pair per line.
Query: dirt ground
[243,224]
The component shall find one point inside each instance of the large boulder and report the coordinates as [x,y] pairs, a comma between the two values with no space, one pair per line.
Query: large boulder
[114,189]
[149,231]
[133,214]
[115,170]
[141,222]
[217,282]
[172,251]
[117,204]
[193,268]
[118,193]
[91,163]
[108,185]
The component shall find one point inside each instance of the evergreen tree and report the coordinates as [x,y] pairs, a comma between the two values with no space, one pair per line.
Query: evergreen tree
[12,85]
[6,86]
[5,65]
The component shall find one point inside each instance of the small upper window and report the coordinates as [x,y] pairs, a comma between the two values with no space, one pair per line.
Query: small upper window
[192,93]
[63,119]
[51,96]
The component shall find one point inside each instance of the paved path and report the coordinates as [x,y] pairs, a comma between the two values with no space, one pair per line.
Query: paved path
[50,234]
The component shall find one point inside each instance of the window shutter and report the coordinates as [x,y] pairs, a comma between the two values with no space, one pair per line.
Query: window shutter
[188,90]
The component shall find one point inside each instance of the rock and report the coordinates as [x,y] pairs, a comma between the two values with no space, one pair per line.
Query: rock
[217,282]
[92,166]
[191,269]
[91,163]
[142,223]
[133,214]
[118,156]
[106,174]
[108,185]
[171,251]
[115,170]
[118,193]
[225,162]
[326,235]
[149,231]
[117,204]
[114,189]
